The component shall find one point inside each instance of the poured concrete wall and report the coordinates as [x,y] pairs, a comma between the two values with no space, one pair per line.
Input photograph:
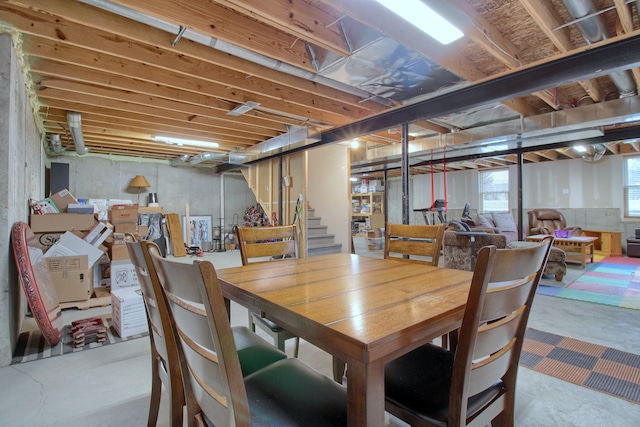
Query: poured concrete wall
[206,193]
[21,178]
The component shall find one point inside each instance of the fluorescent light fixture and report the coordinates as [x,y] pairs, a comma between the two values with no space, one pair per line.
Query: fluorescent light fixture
[243,108]
[353,179]
[424,18]
[190,142]
[580,148]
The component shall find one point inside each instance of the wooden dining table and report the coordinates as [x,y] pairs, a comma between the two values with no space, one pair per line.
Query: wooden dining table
[365,311]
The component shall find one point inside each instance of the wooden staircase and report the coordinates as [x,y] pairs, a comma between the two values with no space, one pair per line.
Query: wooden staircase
[319,242]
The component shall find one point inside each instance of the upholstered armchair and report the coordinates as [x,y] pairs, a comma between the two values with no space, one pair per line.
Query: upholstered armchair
[546,221]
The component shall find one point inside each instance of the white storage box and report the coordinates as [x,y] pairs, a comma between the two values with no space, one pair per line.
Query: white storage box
[128,313]
[123,275]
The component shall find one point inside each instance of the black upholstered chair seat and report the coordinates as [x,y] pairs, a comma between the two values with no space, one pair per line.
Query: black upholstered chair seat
[254,352]
[280,395]
[420,382]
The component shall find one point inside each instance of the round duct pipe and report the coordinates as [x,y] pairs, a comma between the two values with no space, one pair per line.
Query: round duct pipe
[593,29]
[75,127]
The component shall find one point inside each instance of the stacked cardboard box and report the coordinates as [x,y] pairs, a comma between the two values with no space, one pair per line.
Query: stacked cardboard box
[124,218]
[128,312]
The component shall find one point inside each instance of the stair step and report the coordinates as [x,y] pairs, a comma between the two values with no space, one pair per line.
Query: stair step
[325,249]
[314,230]
[317,239]
[313,221]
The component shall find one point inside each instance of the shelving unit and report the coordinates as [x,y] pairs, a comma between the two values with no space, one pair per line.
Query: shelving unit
[367,212]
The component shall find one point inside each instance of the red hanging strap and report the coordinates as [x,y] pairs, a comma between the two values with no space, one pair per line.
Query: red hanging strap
[433,185]
[444,177]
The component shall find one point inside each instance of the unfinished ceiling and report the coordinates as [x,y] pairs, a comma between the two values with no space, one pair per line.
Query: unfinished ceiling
[305,70]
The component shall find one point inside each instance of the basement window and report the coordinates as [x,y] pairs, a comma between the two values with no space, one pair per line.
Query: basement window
[494,190]
[632,186]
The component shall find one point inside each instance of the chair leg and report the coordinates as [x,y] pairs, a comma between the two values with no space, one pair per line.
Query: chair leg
[297,347]
[252,325]
[156,391]
[338,370]
[280,342]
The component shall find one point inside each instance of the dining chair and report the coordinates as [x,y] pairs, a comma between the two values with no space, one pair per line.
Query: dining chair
[403,241]
[475,384]
[411,241]
[262,244]
[285,393]
[254,352]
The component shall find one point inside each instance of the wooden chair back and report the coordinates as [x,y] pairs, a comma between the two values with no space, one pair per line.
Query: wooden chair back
[265,243]
[414,240]
[164,354]
[492,333]
[211,368]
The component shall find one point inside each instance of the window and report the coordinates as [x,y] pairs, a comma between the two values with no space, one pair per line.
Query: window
[494,190]
[632,186]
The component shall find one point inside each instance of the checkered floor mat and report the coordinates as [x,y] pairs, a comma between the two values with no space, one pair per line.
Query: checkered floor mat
[589,365]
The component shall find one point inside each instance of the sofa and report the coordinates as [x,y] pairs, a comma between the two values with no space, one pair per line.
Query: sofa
[547,221]
[460,248]
[494,222]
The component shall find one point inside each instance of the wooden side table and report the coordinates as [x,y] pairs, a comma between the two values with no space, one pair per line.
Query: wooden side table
[609,243]
[580,245]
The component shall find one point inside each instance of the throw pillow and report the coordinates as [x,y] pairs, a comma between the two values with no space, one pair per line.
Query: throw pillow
[504,221]
[480,221]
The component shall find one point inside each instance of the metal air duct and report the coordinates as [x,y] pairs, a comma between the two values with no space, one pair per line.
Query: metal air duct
[593,30]
[180,160]
[56,144]
[75,127]
[202,157]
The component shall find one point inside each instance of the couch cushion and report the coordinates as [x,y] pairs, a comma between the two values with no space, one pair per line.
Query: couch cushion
[504,221]
[481,221]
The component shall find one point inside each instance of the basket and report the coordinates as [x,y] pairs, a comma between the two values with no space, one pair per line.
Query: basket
[562,233]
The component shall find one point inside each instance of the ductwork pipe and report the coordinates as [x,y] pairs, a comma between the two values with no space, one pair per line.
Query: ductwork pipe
[593,30]
[75,127]
[234,50]
[56,143]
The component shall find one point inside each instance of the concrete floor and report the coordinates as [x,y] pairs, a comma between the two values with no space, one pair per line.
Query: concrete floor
[110,386]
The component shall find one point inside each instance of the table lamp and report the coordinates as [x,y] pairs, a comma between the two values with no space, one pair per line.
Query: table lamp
[139,182]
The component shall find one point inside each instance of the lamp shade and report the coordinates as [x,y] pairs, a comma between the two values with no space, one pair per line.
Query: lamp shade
[139,182]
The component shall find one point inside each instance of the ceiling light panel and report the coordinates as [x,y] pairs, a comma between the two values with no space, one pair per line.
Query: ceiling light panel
[424,18]
[188,142]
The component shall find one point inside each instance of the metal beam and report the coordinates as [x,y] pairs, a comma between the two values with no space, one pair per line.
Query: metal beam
[602,59]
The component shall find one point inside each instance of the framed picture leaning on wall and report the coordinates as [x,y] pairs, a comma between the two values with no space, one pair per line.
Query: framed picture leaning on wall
[199,229]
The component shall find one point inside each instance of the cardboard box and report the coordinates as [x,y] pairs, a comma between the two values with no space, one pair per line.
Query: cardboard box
[72,245]
[102,273]
[126,227]
[120,214]
[150,209]
[123,275]
[128,313]
[72,277]
[61,222]
[62,199]
[46,240]
[119,252]
[98,233]
[80,209]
